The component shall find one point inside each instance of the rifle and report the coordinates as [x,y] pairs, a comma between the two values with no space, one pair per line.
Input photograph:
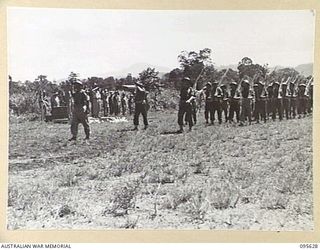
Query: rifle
[222,78]
[195,82]
[306,92]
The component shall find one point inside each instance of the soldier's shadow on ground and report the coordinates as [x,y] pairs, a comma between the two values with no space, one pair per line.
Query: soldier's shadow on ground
[170,132]
[126,130]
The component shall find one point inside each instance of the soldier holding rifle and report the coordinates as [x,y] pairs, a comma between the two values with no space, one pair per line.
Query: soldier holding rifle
[185,107]
[141,105]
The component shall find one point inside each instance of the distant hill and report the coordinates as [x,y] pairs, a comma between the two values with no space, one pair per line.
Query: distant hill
[230,66]
[135,69]
[305,69]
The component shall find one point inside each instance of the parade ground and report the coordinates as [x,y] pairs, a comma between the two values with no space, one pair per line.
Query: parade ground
[221,177]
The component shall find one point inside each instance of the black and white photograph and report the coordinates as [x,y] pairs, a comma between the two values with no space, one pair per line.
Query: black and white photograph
[160,119]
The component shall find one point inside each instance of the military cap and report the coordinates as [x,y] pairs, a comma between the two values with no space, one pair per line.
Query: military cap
[284,83]
[255,85]
[78,82]
[186,79]
[260,82]
[233,83]
[246,82]
[276,83]
[208,84]
[302,85]
[215,82]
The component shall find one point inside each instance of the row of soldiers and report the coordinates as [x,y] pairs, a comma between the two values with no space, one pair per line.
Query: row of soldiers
[101,102]
[110,102]
[246,101]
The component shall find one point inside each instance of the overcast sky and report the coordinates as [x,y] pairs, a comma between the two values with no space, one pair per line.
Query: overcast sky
[55,42]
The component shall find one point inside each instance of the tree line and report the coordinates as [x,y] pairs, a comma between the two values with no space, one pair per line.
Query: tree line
[198,66]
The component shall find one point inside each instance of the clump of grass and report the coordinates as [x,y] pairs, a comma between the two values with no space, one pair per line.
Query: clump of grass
[274,200]
[221,194]
[67,176]
[122,198]
[198,205]
[130,223]
[178,195]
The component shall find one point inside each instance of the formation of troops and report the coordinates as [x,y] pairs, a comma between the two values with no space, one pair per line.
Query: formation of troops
[246,101]
[243,102]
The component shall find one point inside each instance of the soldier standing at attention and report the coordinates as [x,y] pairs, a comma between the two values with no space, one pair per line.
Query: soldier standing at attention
[185,107]
[130,104]
[276,101]
[285,100]
[292,94]
[234,102]
[208,103]
[80,111]
[246,98]
[123,103]
[269,100]
[302,100]
[260,102]
[141,103]
[110,101]
[217,98]
[224,101]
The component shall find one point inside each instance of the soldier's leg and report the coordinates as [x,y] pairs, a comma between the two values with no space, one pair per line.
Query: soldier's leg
[286,108]
[231,112]
[249,110]
[305,106]
[219,111]
[264,111]
[181,113]
[280,109]
[194,116]
[137,112]
[189,115]
[144,115]
[85,123]
[74,125]
[237,110]
[211,114]
[256,111]
[225,112]
[206,112]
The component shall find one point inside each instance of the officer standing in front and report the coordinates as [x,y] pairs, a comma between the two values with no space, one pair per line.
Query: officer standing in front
[80,111]
[185,106]
[141,105]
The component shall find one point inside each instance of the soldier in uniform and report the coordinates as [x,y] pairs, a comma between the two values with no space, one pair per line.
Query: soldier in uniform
[185,107]
[310,100]
[216,103]
[260,102]
[123,103]
[110,101]
[130,104]
[276,102]
[224,101]
[116,105]
[246,98]
[208,108]
[234,102]
[285,100]
[292,95]
[80,111]
[269,100]
[302,100]
[141,105]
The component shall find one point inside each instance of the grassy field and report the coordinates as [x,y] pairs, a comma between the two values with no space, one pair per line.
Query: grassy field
[256,177]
